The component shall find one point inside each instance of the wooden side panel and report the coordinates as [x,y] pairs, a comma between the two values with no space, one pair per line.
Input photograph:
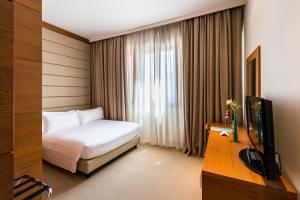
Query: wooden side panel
[6,100]
[33,4]
[28,139]
[27,88]
[6,176]
[217,187]
[6,76]
[27,33]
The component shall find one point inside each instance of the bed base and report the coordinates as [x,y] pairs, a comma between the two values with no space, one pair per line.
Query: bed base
[87,166]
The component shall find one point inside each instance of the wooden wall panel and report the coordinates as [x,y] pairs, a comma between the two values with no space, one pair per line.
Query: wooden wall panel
[28,143]
[6,77]
[58,59]
[50,80]
[65,40]
[65,32]
[51,69]
[6,176]
[53,92]
[27,88]
[67,108]
[27,33]
[6,100]
[65,101]
[33,4]
[66,72]
[65,50]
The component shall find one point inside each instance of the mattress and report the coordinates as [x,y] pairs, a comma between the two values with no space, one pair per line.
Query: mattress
[99,137]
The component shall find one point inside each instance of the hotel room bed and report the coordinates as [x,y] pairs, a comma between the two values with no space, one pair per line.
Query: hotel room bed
[89,146]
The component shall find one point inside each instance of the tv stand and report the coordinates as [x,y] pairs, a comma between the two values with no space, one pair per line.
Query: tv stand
[225,177]
[252,159]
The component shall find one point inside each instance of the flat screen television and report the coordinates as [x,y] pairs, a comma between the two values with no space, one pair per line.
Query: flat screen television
[261,156]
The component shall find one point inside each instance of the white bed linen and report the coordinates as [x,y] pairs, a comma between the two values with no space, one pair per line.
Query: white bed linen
[64,148]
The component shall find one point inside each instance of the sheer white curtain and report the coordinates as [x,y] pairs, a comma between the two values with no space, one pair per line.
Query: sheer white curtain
[154,70]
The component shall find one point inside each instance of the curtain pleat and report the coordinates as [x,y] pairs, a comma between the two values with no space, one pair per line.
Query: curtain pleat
[154,64]
[108,74]
[172,80]
[212,71]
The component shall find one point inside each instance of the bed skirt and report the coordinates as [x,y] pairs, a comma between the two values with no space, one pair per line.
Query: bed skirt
[89,165]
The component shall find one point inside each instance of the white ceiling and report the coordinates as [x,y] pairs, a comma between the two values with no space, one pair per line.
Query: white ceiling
[99,19]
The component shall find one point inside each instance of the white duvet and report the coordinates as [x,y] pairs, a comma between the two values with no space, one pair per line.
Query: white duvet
[65,147]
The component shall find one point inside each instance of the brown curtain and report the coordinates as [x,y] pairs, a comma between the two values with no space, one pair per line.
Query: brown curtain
[109,77]
[212,46]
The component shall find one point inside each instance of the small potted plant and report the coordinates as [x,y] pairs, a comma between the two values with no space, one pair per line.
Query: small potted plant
[233,106]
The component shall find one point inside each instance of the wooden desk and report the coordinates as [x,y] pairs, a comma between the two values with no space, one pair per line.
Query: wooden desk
[224,176]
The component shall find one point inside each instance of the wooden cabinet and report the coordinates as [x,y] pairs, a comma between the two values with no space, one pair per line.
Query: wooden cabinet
[225,177]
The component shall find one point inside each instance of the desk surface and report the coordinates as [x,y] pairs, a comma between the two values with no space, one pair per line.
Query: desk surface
[222,158]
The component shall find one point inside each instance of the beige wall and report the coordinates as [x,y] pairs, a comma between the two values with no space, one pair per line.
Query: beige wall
[275,25]
[66,72]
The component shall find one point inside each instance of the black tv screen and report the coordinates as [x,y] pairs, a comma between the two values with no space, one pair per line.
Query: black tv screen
[254,123]
[261,132]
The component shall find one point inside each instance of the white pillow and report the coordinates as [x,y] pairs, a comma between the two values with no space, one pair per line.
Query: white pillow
[54,121]
[44,114]
[86,116]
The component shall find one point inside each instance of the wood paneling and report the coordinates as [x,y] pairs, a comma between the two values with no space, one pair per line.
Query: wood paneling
[27,88]
[66,72]
[27,33]
[58,59]
[52,92]
[65,101]
[67,108]
[35,5]
[225,177]
[219,187]
[20,79]
[64,32]
[6,100]
[64,50]
[6,175]
[65,81]
[6,77]
[65,40]
[51,69]
[28,139]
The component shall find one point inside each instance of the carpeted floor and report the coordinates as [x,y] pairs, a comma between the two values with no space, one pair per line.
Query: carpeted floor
[145,173]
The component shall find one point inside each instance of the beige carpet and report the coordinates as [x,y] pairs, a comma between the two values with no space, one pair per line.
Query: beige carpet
[145,173]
